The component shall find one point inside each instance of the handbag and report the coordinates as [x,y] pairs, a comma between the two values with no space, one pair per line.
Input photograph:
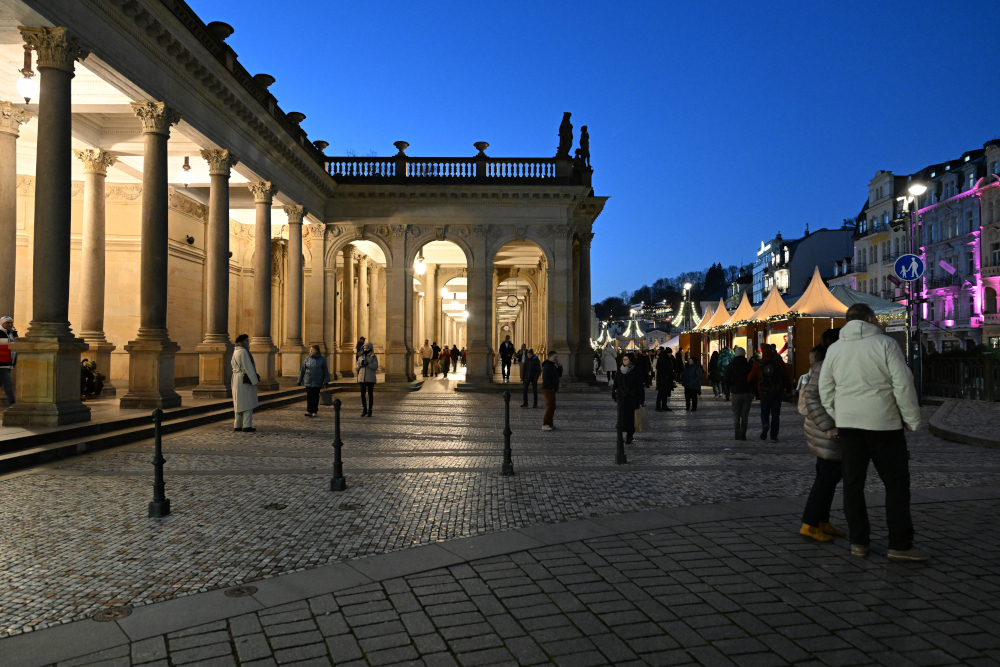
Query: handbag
[641,419]
[326,397]
[246,379]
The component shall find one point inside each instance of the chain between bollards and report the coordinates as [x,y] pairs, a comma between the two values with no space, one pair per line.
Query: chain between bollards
[338,483]
[620,451]
[508,463]
[160,507]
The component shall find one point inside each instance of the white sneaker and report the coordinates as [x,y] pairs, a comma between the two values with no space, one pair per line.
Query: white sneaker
[546,427]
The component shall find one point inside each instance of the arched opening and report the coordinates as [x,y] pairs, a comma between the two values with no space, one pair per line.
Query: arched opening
[989,301]
[361,301]
[440,301]
[520,299]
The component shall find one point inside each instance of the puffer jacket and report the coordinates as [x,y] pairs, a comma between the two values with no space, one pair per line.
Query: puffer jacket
[367,373]
[864,382]
[609,360]
[818,421]
[725,358]
[314,371]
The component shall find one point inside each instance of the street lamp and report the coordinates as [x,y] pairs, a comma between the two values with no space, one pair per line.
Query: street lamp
[916,189]
[420,267]
[27,87]
[186,176]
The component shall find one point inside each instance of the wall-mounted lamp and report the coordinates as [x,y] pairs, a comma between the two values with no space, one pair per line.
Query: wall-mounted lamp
[186,176]
[27,87]
[420,266]
[189,239]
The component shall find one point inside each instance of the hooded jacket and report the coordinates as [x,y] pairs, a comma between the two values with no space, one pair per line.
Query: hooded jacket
[864,382]
[736,375]
[725,358]
[692,376]
[367,372]
[756,376]
[609,360]
[665,372]
[818,421]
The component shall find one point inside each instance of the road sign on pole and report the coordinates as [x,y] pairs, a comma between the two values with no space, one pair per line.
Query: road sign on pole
[909,268]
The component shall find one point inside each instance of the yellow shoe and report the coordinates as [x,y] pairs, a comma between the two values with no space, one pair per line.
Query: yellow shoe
[831,530]
[815,533]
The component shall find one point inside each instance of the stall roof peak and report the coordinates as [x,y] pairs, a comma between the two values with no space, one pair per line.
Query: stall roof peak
[817,301]
[742,313]
[773,305]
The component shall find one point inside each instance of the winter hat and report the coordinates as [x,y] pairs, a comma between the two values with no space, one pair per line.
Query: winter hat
[739,351]
[367,347]
[5,319]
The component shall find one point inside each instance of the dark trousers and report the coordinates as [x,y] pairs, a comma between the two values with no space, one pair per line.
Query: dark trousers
[770,412]
[312,400]
[505,367]
[534,389]
[8,385]
[368,387]
[741,411]
[626,416]
[427,365]
[887,450]
[828,475]
[691,399]
[454,364]
[725,387]
[550,406]
[611,376]
[662,396]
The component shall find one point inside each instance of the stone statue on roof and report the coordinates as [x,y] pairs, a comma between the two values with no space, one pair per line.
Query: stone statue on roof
[585,145]
[565,136]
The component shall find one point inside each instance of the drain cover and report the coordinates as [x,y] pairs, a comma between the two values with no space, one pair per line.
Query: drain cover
[241,591]
[112,614]
[275,506]
[351,506]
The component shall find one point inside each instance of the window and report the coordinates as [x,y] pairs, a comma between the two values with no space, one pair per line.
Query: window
[874,254]
[885,284]
[930,310]
[972,180]
[970,263]
[995,167]
[993,212]
[969,221]
[995,254]
[896,244]
[972,306]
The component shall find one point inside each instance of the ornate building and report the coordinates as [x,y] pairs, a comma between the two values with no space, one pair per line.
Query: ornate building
[156,201]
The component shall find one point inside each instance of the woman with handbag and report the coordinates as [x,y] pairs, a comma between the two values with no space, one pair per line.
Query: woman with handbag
[366,366]
[244,385]
[629,392]
[313,375]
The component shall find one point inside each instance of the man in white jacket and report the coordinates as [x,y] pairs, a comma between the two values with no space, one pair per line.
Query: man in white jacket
[868,390]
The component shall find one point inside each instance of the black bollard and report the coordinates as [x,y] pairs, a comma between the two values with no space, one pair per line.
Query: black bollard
[160,507]
[620,452]
[338,483]
[508,463]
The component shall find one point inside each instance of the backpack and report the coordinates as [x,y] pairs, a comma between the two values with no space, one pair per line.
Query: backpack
[771,383]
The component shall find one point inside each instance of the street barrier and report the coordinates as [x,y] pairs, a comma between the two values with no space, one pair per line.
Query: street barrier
[338,483]
[160,507]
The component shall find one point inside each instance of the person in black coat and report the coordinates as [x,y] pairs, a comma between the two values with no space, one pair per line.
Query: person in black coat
[691,379]
[740,389]
[678,365]
[629,393]
[532,371]
[664,378]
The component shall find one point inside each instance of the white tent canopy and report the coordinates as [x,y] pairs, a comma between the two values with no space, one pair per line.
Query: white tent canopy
[773,305]
[704,319]
[817,301]
[720,317]
[743,312]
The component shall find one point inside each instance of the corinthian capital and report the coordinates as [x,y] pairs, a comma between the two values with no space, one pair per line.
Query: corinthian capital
[295,214]
[156,117]
[95,162]
[219,160]
[263,191]
[55,47]
[12,117]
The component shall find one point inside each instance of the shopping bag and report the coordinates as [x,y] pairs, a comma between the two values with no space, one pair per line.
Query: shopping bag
[641,419]
[326,397]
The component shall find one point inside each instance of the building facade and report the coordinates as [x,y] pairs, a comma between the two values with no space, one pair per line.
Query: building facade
[789,263]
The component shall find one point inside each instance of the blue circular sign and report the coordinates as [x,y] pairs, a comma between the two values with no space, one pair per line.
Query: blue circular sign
[909,268]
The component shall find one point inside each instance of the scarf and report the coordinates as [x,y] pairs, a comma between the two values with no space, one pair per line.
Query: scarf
[625,369]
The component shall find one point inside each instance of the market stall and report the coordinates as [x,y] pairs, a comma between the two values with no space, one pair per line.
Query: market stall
[816,311]
[691,341]
[713,338]
[758,331]
[734,330]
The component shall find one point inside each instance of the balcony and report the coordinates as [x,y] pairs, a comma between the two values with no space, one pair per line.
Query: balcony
[891,259]
[991,272]
[945,281]
[991,318]
[875,230]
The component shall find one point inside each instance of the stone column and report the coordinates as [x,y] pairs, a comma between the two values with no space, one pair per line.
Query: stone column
[374,335]
[585,364]
[479,328]
[151,354]
[95,171]
[48,371]
[398,311]
[293,351]
[11,118]
[363,304]
[559,300]
[261,346]
[215,353]
[347,356]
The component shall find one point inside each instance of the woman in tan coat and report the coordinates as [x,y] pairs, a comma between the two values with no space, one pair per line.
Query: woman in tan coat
[816,516]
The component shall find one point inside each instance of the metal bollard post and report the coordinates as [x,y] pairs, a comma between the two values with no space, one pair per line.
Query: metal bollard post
[620,451]
[338,483]
[508,464]
[160,507]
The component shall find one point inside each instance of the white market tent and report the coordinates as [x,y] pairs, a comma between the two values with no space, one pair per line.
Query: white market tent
[720,317]
[743,312]
[773,305]
[817,301]
[849,297]
[704,319]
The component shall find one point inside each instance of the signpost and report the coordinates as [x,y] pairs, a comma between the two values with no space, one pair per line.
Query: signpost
[909,268]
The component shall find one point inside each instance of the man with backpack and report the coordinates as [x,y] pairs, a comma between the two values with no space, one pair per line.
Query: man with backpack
[773,378]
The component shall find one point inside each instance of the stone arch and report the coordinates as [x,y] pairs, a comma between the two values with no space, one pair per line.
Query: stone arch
[419,236]
[544,241]
[337,238]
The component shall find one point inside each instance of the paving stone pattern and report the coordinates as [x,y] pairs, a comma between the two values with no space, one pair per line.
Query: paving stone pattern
[741,592]
[246,506]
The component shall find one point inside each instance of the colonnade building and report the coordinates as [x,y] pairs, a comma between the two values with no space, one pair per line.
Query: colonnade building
[156,201]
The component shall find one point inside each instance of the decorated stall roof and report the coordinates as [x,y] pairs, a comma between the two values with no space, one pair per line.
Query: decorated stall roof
[773,306]
[817,301]
[742,313]
[604,338]
[632,330]
[720,317]
[673,343]
[849,297]
[704,319]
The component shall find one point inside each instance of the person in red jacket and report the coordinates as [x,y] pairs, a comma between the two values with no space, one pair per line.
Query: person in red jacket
[773,378]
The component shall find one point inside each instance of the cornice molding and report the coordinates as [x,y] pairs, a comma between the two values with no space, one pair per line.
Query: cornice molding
[186,205]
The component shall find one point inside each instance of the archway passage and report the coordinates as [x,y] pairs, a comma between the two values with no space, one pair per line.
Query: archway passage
[440,305]
[520,300]
[361,301]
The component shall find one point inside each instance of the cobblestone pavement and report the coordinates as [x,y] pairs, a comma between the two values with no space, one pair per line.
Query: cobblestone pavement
[736,592]
[974,417]
[425,469]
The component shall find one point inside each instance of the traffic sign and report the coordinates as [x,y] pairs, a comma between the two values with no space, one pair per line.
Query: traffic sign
[909,268]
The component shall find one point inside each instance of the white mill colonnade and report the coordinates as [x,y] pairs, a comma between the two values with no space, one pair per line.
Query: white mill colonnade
[155,201]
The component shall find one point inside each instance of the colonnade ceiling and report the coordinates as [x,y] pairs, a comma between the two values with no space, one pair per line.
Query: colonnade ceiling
[455,297]
[518,287]
[518,253]
[443,253]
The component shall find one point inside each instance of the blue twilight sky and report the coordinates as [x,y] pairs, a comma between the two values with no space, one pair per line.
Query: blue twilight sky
[713,125]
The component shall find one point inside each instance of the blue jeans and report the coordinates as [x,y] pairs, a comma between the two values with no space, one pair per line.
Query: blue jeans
[770,412]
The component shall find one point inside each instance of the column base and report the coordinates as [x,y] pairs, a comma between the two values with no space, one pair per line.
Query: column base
[292,354]
[99,350]
[151,372]
[215,371]
[48,378]
[479,364]
[263,351]
[347,359]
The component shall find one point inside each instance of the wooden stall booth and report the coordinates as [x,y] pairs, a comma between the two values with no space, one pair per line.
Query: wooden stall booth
[734,331]
[760,329]
[691,341]
[816,311]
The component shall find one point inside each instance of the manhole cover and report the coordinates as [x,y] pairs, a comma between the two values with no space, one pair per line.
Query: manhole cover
[351,506]
[112,614]
[275,506]
[240,591]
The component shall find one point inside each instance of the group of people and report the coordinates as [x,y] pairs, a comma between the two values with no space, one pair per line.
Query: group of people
[437,359]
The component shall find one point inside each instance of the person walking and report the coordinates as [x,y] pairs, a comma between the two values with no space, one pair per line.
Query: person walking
[426,352]
[773,378]
[868,390]
[8,357]
[532,371]
[725,358]
[609,362]
[629,393]
[360,344]
[454,358]
[463,358]
[645,363]
[521,356]
[691,379]
[366,366]
[664,379]
[678,365]
[506,354]
[445,360]
[313,375]
[736,380]
[826,448]
[244,385]
[435,356]
[713,373]
[551,372]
